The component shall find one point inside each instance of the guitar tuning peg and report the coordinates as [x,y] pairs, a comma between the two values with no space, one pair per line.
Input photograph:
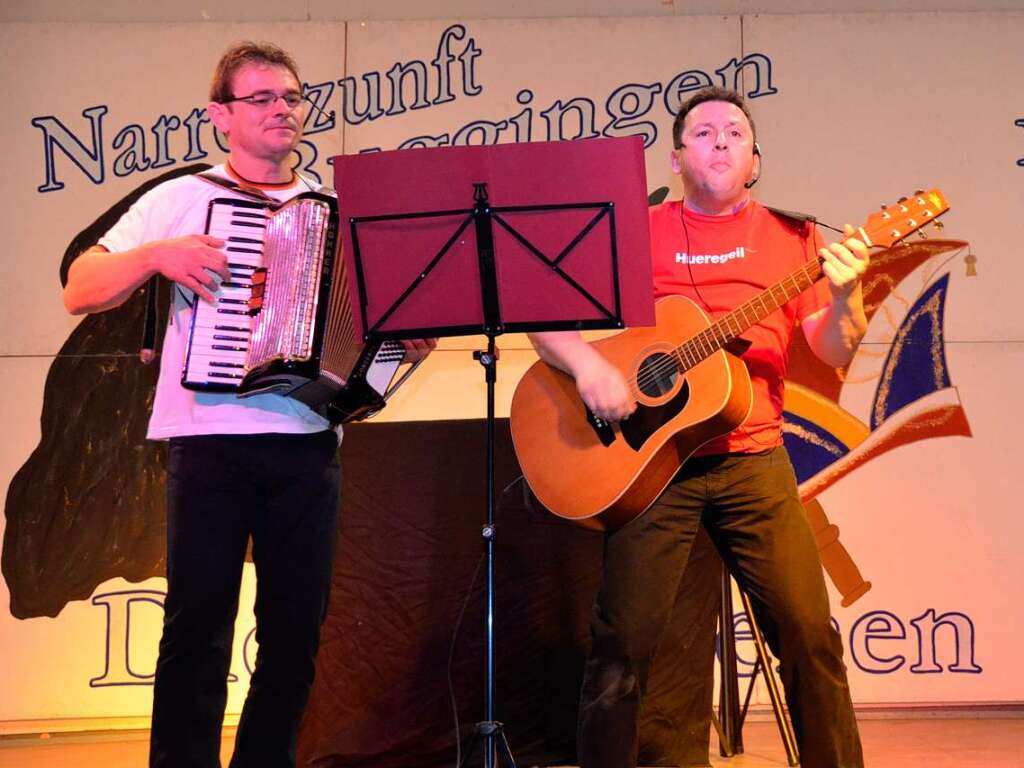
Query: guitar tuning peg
[970,260]
[938,224]
[902,200]
[922,234]
[918,191]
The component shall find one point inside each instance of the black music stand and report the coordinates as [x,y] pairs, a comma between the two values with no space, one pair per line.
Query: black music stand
[572,282]
[729,723]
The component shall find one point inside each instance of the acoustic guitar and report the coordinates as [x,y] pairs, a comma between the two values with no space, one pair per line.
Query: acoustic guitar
[689,383]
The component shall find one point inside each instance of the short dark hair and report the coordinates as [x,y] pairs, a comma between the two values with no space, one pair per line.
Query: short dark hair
[240,55]
[714,93]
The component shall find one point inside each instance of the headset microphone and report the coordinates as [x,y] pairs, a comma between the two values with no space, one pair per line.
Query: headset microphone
[757,152]
[753,181]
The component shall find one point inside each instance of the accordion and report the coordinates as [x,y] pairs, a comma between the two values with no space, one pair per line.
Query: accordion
[283,323]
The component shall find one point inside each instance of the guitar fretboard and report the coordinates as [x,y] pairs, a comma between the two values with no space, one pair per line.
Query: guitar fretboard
[730,327]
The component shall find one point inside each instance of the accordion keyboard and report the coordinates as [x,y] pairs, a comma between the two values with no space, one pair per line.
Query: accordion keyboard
[221,331]
[283,322]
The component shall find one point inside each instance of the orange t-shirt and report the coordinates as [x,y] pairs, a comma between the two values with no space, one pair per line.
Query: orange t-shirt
[719,262]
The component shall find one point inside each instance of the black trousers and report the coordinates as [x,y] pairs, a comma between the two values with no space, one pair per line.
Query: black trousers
[281,491]
[750,508]
[675,721]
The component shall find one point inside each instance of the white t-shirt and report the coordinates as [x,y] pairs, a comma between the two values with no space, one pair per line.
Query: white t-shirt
[175,209]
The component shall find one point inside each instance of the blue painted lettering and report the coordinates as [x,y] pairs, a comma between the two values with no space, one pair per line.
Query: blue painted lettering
[865,636]
[318,117]
[960,626]
[762,67]
[555,116]
[352,114]
[487,132]
[1020,124]
[625,104]
[133,157]
[682,84]
[57,136]
[417,70]
[160,130]
[195,120]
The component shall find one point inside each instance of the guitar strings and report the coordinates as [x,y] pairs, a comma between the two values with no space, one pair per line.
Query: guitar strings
[811,271]
[717,335]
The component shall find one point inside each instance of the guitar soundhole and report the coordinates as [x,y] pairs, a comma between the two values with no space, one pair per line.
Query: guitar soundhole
[657,375]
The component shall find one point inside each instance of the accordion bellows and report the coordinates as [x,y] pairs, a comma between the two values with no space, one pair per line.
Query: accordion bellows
[284,323]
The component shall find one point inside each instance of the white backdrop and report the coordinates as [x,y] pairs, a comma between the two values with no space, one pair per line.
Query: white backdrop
[852,111]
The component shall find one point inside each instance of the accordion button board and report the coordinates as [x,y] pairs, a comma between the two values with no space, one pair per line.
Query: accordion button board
[221,331]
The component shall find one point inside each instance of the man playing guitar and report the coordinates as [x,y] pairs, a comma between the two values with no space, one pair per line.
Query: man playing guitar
[719,248]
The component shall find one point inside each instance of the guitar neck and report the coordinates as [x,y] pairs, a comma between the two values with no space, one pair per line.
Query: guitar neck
[730,327]
[882,229]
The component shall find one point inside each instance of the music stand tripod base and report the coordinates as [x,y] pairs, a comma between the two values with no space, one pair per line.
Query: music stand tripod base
[492,734]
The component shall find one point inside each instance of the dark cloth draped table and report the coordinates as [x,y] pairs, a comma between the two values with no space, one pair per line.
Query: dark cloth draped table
[413,504]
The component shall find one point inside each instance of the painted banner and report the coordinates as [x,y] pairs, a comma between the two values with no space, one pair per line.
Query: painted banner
[906,459]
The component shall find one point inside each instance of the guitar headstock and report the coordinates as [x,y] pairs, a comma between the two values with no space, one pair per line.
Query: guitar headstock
[894,222]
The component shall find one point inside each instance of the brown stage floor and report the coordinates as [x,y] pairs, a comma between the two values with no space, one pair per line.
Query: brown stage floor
[888,743]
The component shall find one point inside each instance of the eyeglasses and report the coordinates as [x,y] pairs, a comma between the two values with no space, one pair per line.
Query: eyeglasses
[263,99]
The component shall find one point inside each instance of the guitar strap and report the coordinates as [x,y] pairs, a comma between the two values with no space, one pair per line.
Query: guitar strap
[793,216]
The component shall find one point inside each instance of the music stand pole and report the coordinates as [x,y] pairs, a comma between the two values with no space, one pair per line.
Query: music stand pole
[553,283]
[491,730]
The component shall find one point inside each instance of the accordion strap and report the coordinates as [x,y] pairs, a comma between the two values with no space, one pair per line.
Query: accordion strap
[245,191]
[252,192]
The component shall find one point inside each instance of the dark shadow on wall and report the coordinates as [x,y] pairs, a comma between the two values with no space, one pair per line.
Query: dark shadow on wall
[87,505]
